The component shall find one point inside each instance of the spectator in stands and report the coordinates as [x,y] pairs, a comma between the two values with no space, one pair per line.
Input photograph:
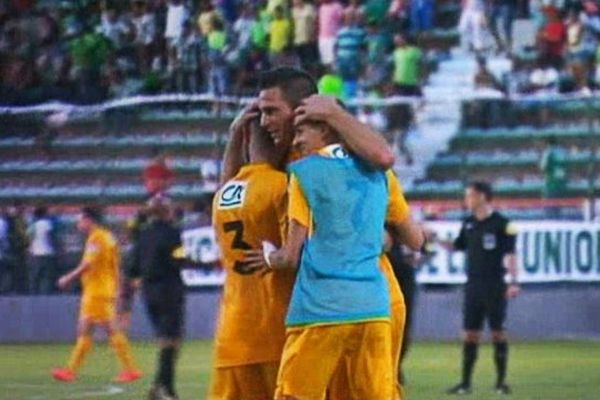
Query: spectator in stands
[554,170]
[552,38]
[187,50]
[177,15]
[43,250]
[408,66]
[398,16]
[90,53]
[114,28]
[421,16]
[217,64]
[242,28]
[206,16]
[472,25]
[331,13]
[158,176]
[501,22]
[354,10]
[304,17]
[18,242]
[350,51]
[544,78]
[378,67]
[484,79]
[280,36]
[144,25]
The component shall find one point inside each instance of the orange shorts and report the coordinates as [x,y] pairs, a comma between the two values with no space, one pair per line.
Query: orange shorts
[247,382]
[312,354]
[98,309]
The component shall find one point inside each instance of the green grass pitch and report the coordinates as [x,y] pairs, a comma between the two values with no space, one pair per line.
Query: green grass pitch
[537,371]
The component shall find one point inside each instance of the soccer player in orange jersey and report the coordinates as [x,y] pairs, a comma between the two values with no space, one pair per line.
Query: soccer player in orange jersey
[250,335]
[99,274]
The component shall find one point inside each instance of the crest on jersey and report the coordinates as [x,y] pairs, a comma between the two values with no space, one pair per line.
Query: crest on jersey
[232,195]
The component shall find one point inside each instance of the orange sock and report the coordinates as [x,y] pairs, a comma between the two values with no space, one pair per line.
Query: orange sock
[82,348]
[120,345]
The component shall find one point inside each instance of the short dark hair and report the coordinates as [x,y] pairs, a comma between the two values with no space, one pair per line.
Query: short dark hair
[483,188]
[93,213]
[40,212]
[296,84]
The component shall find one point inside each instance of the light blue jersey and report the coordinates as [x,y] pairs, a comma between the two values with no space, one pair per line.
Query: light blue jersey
[339,279]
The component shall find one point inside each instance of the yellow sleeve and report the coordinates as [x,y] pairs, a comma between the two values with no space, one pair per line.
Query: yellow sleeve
[398,209]
[298,208]
[92,250]
[281,209]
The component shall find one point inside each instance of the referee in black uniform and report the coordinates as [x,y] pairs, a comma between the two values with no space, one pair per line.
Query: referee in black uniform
[156,261]
[488,238]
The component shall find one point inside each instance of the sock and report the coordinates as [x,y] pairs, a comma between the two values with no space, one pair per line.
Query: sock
[469,358]
[501,360]
[82,348]
[166,368]
[120,345]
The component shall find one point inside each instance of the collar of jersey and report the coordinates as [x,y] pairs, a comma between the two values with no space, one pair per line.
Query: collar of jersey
[335,150]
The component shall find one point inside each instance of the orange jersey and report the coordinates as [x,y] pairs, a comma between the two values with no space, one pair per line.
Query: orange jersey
[101,252]
[248,209]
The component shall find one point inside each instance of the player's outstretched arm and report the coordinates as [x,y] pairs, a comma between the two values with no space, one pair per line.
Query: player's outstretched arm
[233,158]
[409,233]
[360,138]
[67,279]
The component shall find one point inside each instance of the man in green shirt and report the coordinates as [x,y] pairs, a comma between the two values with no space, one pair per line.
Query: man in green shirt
[407,59]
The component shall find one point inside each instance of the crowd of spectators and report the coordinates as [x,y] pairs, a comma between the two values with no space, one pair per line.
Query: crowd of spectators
[86,51]
[564,53]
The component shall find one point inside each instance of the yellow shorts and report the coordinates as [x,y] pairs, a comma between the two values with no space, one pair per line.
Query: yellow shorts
[312,354]
[244,382]
[98,309]
[339,387]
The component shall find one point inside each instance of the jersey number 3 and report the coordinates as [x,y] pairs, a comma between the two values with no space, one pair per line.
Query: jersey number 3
[238,244]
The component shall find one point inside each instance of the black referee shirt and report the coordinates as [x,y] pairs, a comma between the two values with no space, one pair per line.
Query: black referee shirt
[153,259]
[486,243]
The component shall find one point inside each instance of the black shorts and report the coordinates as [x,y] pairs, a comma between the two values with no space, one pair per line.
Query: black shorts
[484,302]
[165,305]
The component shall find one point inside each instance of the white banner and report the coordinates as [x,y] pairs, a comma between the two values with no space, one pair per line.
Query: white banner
[547,251]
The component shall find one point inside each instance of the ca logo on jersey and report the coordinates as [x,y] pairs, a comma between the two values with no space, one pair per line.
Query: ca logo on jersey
[232,195]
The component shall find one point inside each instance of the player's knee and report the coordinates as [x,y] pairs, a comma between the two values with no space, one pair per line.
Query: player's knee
[472,336]
[499,336]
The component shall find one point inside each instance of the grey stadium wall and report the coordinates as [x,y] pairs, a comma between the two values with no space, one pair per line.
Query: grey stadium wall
[559,311]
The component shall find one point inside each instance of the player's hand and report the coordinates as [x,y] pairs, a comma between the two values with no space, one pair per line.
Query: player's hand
[64,282]
[241,121]
[316,108]
[255,260]
[513,291]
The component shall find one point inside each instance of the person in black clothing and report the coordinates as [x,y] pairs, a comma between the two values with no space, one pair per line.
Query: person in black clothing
[488,238]
[156,262]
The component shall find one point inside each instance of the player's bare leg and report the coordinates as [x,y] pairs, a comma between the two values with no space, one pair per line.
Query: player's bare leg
[119,343]
[84,344]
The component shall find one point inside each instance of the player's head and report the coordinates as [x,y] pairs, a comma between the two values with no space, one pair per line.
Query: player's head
[160,208]
[89,217]
[478,194]
[311,136]
[261,148]
[281,91]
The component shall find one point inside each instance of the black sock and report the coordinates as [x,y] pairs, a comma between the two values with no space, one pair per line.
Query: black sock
[469,358]
[166,368]
[501,360]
